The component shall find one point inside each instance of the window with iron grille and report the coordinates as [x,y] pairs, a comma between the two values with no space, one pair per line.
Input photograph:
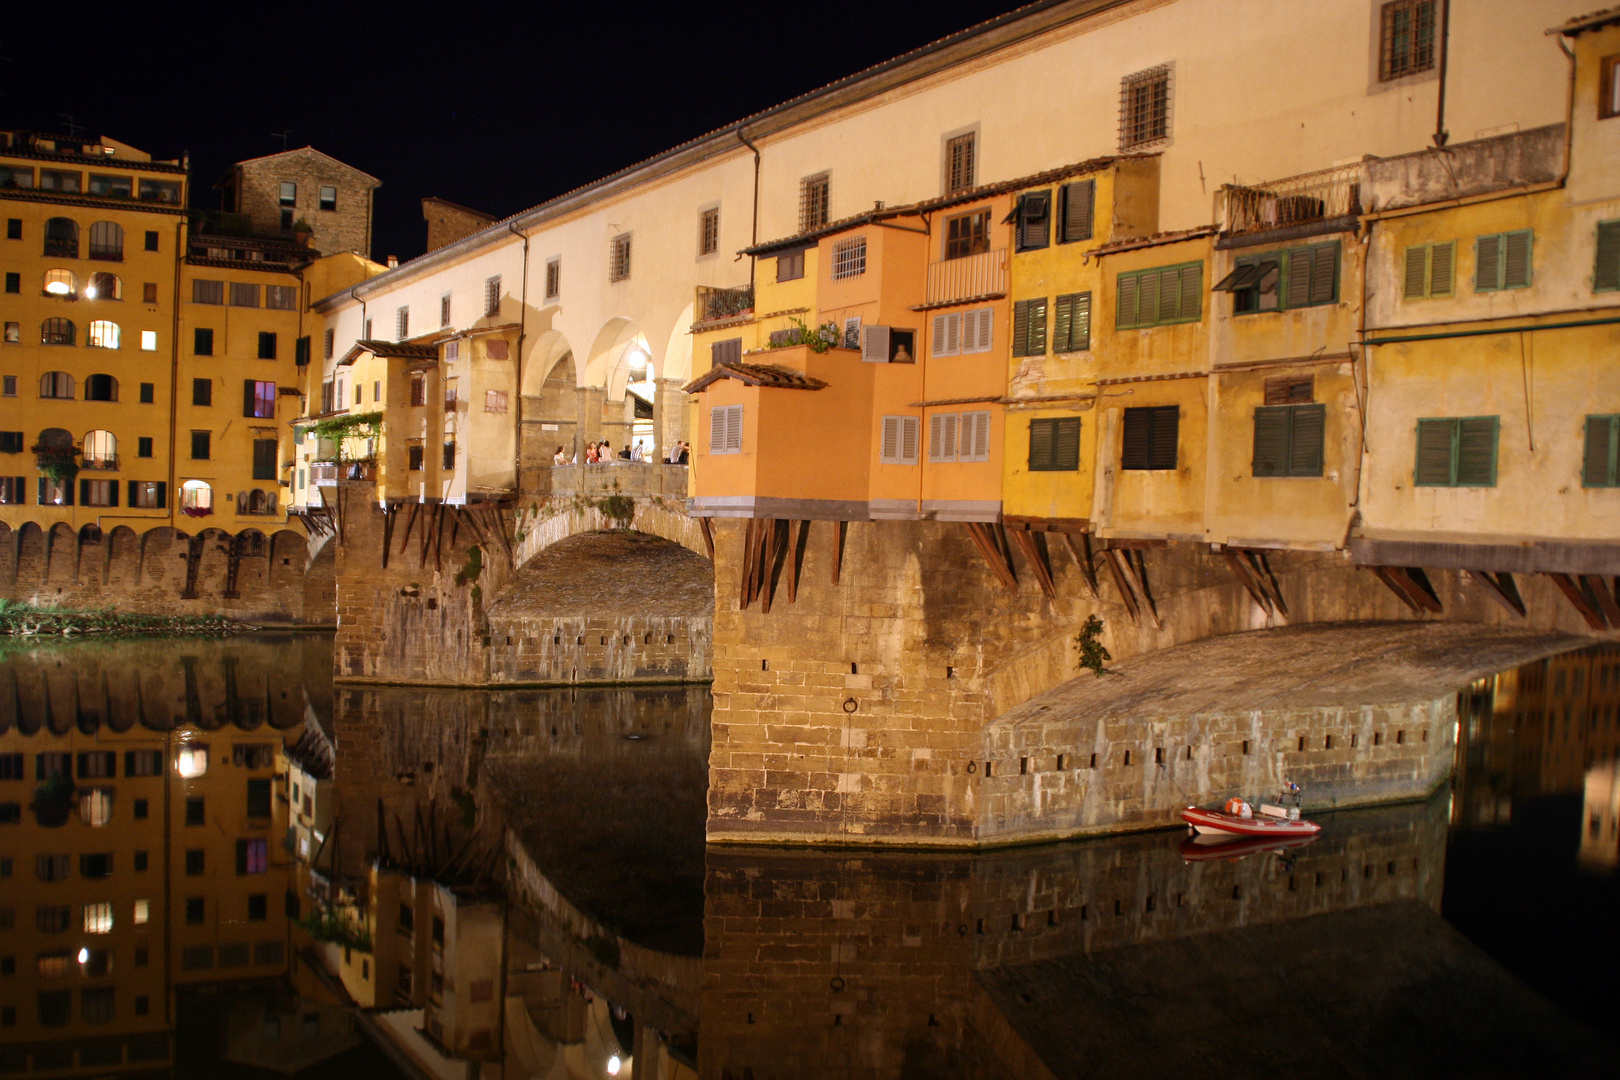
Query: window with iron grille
[328,343]
[1600,464]
[1406,41]
[619,258]
[790,265]
[1029,327]
[849,258]
[444,310]
[1054,444]
[960,155]
[1282,280]
[492,295]
[553,278]
[1456,451]
[1429,270]
[1150,438]
[814,201]
[900,438]
[402,324]
[967,234]
[725,429]
[709,231]
[1144,108]
[243,294]
[418,388]
[1159,297]
[1502,261]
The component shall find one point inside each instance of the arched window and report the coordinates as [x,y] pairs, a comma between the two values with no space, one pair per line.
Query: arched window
[62,237]
[101,388]
[196,498]
[256,502]
[104,286]
[63,283]
[56,384]
[102,335]
[100,450]
[57,332]
[106,240]
[55,438]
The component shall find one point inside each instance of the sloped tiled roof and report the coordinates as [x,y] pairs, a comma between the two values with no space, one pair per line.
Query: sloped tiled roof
[1591,21]
[769,375]
[402,349]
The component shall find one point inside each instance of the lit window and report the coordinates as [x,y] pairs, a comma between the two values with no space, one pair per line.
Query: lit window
[149,341]
[192,760]
[102,335]
[95,804]
[61,283]
[143,912]
[98,918]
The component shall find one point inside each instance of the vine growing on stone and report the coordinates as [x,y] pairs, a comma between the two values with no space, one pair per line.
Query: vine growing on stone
[1094,655]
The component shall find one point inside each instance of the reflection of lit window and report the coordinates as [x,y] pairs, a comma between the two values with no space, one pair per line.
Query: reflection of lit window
[98,918]
[95,805]
[55,965]
[192,760]
[143,912]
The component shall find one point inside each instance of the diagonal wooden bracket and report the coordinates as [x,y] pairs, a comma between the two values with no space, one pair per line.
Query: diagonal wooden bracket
[840,529]
[1084,560]
[1582,597]
[994,553]
[1501,588]
[796,562]
[1606,599]
[1411,585]
[1132,586]
[708,535]
[1033,548]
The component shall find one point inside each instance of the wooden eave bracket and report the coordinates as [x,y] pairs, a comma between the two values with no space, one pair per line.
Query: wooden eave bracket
[1411,586]
[991,540]
[1500,587]
[1591,596]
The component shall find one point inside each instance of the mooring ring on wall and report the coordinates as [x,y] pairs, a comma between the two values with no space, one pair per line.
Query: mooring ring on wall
[850,704]
[838,984]
[973,767]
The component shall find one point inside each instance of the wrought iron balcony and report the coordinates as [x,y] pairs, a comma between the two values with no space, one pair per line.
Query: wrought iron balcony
[106,462]
[714,304]
[62,247]
[1296,200]
[967,278]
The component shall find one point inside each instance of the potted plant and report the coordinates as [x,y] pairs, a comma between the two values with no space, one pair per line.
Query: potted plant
[59,464]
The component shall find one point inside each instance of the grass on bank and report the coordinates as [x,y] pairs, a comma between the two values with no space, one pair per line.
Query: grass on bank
[20,619]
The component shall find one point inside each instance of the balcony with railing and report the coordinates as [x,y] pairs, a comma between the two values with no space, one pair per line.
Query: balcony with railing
[1324,195]
[103,462]
[971,277]
[714,304]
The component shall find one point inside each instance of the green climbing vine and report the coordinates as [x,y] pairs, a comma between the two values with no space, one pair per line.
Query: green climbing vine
[1094,655]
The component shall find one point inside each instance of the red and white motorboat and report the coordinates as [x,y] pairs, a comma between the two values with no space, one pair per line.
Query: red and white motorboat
[1238,819]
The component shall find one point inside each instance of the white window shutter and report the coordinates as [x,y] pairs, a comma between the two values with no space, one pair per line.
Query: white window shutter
[910,429]
[953,333]
[936,436]
[941,343]
[875,344]
[717,430]
[734,420]
[891,440]
[948,449]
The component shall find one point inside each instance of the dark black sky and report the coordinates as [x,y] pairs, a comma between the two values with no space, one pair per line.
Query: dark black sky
[497,109]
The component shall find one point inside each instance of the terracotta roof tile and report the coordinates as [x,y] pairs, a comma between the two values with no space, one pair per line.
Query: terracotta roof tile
[768,375]
[401,349]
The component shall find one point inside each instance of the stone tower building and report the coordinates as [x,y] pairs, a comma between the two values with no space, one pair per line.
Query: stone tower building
[279,191]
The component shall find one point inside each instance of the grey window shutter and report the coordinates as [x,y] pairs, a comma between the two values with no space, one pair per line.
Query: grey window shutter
[1040,445]
[1324,273]
[1442,262]
[1062,323]
[1126,309]
[1078,200]
[1080,329]
[1299,277]
[891,440]
[1606,274]
[1066,444]
[1192,291]
[1598,462]
[1476,452]
[1516,259]
[910,427]
[1166,427]
[1417,264]
[1306,425]
[1037,327]
[1434,444]
[1487,263]
[1020,334]
[1270,440]
[717,430]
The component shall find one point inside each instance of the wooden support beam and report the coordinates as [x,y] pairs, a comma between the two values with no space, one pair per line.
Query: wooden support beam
[456,514]
[1268,580]
[501,531]
[1114,561]
[1426,596]
[1036,556]
[410,523]
[1083,559]
[389,513]
[1500,588]
[472,525]
[1000,566]
[1575,592]
[1136,575]
[708,535]
[1388,577]
[775,556]
[1411,584]
[1597,587]
[745,594]
[797,562]
[438,537]
[428,517]
[838,549]
[1245,573]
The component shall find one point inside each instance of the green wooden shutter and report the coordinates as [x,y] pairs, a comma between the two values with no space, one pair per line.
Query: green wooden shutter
[1415,285]
[1080,330]
[1147,298]
[1516,259]
[1476,451]
[1078,200]
[1306,426]
[1434,457]
[1487,263]
[1442,260]
[1062,323]
[1136,445]
[1606,274]
[1125,310]
[1598,466]
[1040,445]
[1037,327]
[1066,444]
[1325,273]
[1020,334]
[1299,277]
[1166,427]
[1270,440]
[1192,291]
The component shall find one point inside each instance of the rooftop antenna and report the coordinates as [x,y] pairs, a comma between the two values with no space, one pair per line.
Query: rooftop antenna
[73,129]
[282,135]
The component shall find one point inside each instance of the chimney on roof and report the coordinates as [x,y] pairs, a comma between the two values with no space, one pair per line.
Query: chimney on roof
[393,261]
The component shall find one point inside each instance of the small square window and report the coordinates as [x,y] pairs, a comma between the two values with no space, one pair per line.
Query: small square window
[151,240]
[196,860]
[202,341]
[14,229]
[149,292]
[328,197]
[194,910]
[289,193]
[149,341]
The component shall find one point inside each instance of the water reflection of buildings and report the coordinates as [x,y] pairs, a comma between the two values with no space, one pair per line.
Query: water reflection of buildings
[141,839]
[1550,727]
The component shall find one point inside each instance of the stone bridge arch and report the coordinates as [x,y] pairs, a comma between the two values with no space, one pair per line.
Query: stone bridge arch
[562,518]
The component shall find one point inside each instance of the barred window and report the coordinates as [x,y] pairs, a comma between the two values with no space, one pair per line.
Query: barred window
[814,201]
[960,155]
[553,278]
[849,258]
[1144,108]
[492,295]
[444,310]
[329,341]
[1406,39]
[619,258]
[402,324]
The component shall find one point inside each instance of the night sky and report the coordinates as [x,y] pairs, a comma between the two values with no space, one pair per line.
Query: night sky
[496,110]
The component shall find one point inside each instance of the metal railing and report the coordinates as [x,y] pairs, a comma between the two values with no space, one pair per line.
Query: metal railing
[632,478]
[108,463]
[713,304]
[1295,200]
[62,247]
[984,274]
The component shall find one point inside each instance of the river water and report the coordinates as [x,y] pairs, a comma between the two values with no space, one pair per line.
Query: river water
[213,863]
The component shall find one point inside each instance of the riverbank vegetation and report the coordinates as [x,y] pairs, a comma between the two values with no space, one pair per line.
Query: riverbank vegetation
[22,620]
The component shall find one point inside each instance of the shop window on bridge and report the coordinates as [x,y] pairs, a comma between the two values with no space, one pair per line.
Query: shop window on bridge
[13,490]
[196,498]
[148,495]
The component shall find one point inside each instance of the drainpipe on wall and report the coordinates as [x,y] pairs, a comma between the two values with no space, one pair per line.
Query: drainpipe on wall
[523,317]
[1569,110]
[1440,133]
[753,235]
[173,500]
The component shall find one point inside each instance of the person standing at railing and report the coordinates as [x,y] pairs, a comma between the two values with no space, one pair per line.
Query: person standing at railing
[559,458]
[637,453]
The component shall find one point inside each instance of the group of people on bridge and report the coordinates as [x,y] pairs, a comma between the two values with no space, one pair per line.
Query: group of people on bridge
[601,453]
